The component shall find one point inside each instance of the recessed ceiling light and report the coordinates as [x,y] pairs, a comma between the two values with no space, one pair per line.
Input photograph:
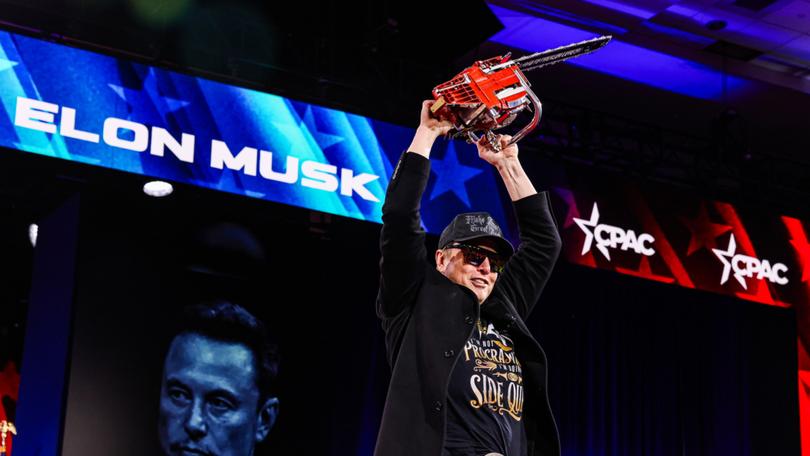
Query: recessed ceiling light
[158,188]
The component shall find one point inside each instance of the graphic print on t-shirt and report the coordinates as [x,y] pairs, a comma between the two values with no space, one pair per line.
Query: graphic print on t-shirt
[496,381]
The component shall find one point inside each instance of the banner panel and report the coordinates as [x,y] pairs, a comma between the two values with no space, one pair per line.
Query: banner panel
[86,107]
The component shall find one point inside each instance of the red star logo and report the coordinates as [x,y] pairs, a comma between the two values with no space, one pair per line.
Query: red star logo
[798,239]
[803,251]
[703,231]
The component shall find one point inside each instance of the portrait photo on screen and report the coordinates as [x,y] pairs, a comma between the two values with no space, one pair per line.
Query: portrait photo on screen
[217,391]
[222,329]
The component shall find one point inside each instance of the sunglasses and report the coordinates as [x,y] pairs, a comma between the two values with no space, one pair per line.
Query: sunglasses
[475,256]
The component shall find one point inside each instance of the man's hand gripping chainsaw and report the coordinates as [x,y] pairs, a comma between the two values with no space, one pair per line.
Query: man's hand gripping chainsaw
[491,93]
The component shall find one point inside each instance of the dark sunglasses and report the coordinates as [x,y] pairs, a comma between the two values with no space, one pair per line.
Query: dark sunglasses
[475,256]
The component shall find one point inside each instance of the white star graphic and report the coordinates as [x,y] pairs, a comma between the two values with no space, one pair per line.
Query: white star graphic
[584,225]
[725,256]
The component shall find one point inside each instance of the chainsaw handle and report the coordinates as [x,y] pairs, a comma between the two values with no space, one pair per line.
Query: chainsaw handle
[538,110]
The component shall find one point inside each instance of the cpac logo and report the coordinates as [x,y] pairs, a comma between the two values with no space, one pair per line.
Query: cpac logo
[747,266]
[609,236]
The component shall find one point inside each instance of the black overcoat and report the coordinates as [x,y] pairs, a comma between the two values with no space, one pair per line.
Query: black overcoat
[427,319]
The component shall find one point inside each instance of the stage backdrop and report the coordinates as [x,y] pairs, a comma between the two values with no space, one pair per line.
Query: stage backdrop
[102,111]
[85,107]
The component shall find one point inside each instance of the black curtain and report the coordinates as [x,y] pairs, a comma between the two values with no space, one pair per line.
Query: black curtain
[644,368]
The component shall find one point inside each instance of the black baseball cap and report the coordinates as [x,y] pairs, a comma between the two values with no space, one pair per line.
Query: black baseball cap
[475,225]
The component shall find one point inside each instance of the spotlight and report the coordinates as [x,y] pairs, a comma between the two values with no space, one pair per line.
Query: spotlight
[33,231]
[158,189]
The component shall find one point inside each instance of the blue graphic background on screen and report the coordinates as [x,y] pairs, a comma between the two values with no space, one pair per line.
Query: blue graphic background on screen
[99,87]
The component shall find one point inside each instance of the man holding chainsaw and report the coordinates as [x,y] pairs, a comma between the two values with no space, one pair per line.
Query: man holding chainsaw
[468,378]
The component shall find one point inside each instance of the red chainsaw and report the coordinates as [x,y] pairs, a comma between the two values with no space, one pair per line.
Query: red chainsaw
[491,93]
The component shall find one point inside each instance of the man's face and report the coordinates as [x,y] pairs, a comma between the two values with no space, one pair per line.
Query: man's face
[209,399]
[480,279]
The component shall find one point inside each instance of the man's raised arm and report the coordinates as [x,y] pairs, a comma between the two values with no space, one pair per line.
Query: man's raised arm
[402,240]
[530,267]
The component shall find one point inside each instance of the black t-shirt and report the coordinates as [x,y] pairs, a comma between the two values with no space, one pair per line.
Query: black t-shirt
[485,397]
